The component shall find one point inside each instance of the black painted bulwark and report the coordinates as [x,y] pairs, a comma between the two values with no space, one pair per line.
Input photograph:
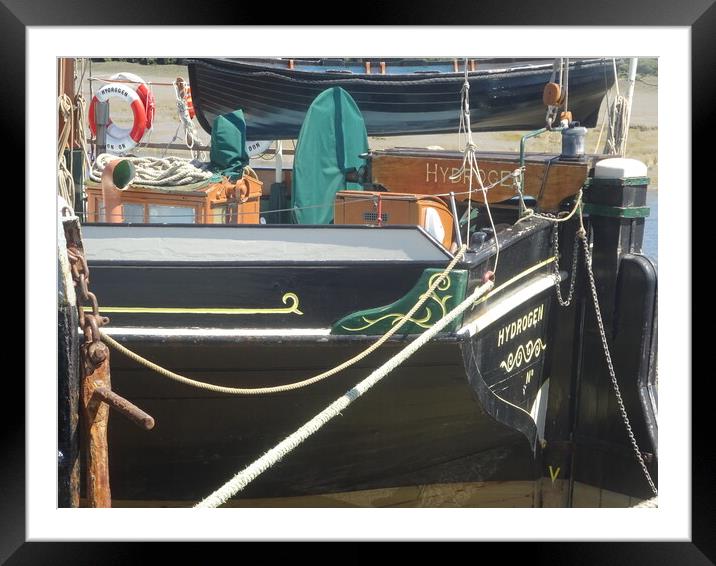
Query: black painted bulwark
[431,421]
[626,286]
[497,400]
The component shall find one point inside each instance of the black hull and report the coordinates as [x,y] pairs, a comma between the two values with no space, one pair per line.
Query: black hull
[275,101]
[422,425]
[493,399]
[438,418]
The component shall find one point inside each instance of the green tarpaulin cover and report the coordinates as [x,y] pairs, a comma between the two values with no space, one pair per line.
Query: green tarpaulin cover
[228,145]
[332,137]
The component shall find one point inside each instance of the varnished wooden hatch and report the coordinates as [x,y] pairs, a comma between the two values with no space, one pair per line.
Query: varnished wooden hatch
[548,178]
[222,202]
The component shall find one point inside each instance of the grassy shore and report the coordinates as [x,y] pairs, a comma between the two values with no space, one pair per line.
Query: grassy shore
[642,141]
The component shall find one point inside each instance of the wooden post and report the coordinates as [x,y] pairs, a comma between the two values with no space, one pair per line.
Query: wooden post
[626,283]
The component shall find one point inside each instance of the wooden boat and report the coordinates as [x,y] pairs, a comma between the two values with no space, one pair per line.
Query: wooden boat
[512,394]
[406,97]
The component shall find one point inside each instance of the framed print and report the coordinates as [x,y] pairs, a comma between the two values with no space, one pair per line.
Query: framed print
[176,293]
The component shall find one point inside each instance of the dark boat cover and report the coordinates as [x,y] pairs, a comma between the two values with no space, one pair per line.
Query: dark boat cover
[503,96]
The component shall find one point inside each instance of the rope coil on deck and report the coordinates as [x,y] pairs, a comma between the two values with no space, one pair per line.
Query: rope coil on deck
[155,171]
[283,448]
[298,384]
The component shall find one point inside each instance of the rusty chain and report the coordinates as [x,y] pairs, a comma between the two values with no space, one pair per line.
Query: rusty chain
[89,322]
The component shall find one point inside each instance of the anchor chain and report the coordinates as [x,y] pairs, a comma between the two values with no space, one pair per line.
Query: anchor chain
[612,374]
[581,234]
[557,276]
[89,322]
[96,395]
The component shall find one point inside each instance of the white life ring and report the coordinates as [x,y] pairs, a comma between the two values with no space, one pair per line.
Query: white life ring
[144,92]
[119,139]
[256,148]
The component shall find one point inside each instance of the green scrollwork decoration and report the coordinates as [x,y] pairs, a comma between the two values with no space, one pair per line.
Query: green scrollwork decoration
[379,320]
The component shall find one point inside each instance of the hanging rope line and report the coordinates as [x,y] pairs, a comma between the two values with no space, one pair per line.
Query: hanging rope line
[618,121]
[191,136]
[470,165]
[290,443]
[298,384]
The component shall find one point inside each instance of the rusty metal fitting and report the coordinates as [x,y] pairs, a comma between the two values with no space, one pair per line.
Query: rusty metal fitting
[84,289]
[93,328]
[97,352]
[128,409]
[95,306]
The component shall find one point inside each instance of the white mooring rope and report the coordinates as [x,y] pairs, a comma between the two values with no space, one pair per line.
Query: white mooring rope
[283,448]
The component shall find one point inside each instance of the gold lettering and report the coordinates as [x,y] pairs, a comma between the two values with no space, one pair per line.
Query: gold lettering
[428,172]
[506,182]
[444,172]
[515,328]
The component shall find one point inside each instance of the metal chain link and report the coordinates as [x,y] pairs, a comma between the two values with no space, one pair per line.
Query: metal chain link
[612,374]
[89,322]
[557,275]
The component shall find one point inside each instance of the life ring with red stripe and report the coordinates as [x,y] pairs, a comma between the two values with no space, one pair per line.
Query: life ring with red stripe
[144,92]
[120,139]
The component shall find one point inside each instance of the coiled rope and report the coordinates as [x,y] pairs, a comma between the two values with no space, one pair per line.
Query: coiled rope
[291,442]
[298,384]
[618,121]
[67,108]
[65,182]
[155,171]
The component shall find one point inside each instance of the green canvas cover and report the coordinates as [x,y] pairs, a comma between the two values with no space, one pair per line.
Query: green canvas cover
[228,145]
[332,137]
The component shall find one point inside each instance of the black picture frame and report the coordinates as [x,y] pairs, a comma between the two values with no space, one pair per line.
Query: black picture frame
[700,16]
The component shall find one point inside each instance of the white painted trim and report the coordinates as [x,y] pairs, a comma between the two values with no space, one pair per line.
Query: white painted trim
[502,307]
[539,408]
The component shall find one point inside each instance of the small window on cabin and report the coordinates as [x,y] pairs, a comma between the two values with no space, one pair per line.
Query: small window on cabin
[132,213]
[163,214]
[218,214]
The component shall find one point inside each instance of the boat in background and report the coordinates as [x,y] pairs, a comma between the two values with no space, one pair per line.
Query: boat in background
[396,97]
